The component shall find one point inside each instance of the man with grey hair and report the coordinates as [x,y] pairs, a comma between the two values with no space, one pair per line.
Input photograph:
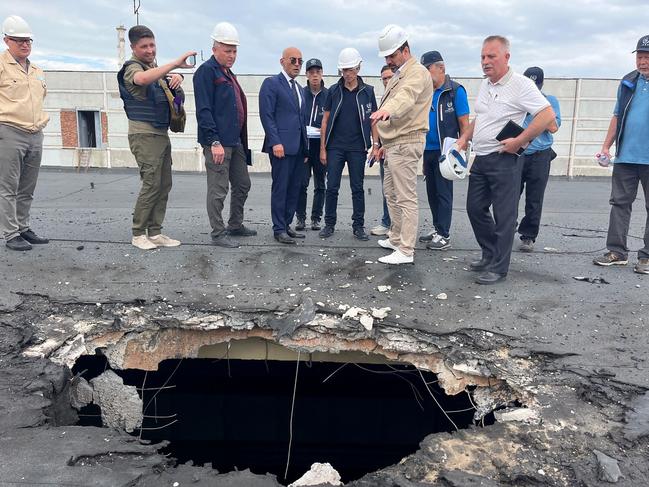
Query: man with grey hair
[496,172]
[221,113]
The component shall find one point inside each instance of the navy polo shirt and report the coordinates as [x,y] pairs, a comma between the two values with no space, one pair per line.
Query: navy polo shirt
[346,133]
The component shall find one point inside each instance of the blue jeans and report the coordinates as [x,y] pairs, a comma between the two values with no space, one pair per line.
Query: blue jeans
[336,159]
[440,193]
[319,172]
[385,219]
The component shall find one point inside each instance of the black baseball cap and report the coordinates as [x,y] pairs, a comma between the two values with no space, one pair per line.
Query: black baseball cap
[431,57]
[535,74]
[643,44]
[313,63]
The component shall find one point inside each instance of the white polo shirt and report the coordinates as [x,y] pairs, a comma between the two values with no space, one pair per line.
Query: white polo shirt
[510,98]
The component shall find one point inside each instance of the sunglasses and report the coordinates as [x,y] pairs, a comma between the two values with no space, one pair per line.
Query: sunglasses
[20,41]
[296,60]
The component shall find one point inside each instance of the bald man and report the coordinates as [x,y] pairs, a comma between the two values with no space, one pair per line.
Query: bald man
[285,141]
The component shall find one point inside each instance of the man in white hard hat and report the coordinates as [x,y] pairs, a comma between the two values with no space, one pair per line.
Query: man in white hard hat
[496,171]
[347,134]
[402,122]
[142,85]
[221,113]
[22,118]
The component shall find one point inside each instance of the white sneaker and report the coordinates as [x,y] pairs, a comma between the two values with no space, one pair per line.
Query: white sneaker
[379,230]
[386,244]
[397,257]
[142,242]
[164,241]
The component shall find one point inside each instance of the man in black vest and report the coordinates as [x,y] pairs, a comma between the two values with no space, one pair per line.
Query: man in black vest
[448,117]
[145,102]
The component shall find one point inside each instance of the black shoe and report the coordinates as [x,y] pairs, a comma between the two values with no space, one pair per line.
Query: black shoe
[300,226]
[242,232]
[32,238]
[490,278]
[360,234]
[479,265]
[18,243]
[224,240]
[315,224]
[284,238]
[326,232]
[293,234]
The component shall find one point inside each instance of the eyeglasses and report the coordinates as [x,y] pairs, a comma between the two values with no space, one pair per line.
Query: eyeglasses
[20,41]
[296,60]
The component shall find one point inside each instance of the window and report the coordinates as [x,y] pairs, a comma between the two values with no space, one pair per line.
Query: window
[89,128]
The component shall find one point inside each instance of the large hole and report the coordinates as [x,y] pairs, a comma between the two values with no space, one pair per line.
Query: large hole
[356,411]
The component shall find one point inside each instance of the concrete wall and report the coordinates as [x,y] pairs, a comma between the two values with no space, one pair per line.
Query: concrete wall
[586,107]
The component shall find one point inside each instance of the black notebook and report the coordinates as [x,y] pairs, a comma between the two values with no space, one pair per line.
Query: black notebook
[509,131]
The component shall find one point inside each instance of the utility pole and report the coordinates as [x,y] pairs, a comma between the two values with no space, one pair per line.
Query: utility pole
[136,11]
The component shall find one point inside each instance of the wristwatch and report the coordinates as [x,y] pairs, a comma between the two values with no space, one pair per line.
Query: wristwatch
[216,143]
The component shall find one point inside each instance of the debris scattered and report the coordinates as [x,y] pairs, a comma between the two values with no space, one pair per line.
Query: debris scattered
[381,313]
[367,321]
[609,470]
[383,289]
[441,296]
[525,415]
[592,280]
[319,474]
[121,406]
[550,249]
[80,247]
[80,393]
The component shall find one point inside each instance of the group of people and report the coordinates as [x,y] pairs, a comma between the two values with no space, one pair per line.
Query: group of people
[315,130]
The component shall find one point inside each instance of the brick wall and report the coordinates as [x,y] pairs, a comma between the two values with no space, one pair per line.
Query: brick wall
[104,128]
[69,134]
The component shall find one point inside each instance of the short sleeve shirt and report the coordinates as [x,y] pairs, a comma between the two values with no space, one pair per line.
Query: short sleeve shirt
[139,93]
[634,148]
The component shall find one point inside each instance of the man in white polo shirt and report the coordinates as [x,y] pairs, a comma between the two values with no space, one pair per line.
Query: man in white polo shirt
[496,172]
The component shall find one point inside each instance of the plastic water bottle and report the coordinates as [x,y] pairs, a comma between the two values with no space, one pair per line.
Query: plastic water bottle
[602,159]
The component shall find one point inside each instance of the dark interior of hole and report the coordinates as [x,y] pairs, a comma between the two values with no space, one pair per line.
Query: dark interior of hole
[235,414]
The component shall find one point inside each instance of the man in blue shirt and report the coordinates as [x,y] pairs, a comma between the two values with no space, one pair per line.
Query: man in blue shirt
[536,168]
[448,117]
[630,132]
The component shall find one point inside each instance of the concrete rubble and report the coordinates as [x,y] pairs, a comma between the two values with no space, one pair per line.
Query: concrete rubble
[319,474]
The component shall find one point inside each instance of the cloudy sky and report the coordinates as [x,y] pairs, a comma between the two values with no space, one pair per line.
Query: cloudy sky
[568,38]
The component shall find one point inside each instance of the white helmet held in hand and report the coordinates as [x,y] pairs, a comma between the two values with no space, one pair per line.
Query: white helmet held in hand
[392,37]
[349,58]
[16,26]
[225,33]
[453,165]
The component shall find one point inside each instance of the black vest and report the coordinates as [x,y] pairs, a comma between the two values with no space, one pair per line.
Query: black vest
[154,109]
[447,124]
[627,89]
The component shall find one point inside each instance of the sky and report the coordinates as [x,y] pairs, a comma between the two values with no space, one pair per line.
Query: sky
[567,38]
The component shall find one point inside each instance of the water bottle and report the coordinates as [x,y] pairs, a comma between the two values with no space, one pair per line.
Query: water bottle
[602,159]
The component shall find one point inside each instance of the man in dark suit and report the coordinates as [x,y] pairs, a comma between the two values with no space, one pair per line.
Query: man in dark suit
[280,101]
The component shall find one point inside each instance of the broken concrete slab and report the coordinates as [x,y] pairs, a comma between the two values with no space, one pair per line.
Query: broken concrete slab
[121,406]
[609,470]
[318,474]
[80,393]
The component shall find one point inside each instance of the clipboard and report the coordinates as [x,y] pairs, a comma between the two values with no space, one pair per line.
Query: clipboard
[510,131]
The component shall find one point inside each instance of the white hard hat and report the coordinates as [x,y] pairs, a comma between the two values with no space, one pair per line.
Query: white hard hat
[225,33]
[392,37]
[452,165]
[349,58]
[15,26]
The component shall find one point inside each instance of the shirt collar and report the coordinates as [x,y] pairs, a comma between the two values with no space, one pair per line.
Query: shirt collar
[288,78]
[505,79]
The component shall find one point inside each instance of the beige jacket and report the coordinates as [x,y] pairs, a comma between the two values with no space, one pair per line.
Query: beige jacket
[407,99]
[21,95]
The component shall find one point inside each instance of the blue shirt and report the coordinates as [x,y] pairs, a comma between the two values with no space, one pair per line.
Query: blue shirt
[635,141]
[461,109]
[545,139]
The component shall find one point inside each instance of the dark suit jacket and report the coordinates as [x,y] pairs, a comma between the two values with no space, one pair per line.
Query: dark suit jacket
[281,117]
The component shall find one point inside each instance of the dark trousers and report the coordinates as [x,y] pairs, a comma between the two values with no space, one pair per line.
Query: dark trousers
[494,182]
[385,219]
[285,189]
[624,188]
[232,173]
[440,193]
[536,171]
[356,167]
[314,165]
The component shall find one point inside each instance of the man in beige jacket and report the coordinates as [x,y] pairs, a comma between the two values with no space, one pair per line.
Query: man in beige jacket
[402,121]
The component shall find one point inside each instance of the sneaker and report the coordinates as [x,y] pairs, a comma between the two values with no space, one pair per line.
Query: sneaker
[142,242]
[397,257]
[315,224]
[360,234]
[164,241]
[610,258]
[18,243]
[242,232]
[300,225]
[642,267]
[439,243]
[527,245]
[326,232]
[34,239]
[379,230]
[386,244]
[224,240]
[428,237]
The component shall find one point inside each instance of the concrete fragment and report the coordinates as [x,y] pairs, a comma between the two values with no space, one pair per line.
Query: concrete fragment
[367,321]
[637,418]
[353,312]
[121,406]
[381,313]
[383,289]
[320,473]
[80,393]
[441,296]
[525,415]
[608,469]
